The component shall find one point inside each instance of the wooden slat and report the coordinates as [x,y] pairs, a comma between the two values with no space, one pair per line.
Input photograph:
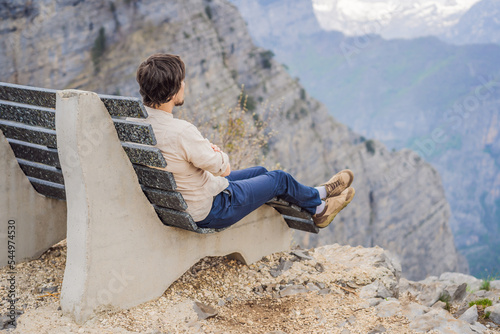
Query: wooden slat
[301,224]
[28,95]
[176,218]
[28,133]
[124,106]
[155,178]
[144,155]
[166,199]
[116,105]
[35,153]
[48,189]
[288,209]
[40,171]
[181,220]
[138,154]
[129,131]
[27,114]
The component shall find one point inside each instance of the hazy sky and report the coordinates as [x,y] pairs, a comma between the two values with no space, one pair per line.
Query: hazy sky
[395,18]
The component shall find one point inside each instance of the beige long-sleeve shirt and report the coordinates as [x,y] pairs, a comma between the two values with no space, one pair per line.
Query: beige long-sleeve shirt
[190,158]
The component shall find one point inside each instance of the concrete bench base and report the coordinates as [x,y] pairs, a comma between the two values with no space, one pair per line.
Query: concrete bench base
[119,252]
[40,222]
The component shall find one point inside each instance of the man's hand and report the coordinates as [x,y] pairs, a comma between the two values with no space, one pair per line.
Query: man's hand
[215,148]
[228,169]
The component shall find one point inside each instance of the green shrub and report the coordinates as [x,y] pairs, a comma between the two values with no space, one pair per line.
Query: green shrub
[481,302]
[445,298]
[370,146]
[243,135]
[248,103]
[485,285]
[234,74]
[266,57]
[302,94]
[99,48]
[208,11]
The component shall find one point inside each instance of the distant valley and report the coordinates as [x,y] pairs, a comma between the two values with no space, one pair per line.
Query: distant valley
[441,100]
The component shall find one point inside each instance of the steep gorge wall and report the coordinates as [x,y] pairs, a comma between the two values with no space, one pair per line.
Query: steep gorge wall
[423,87]
[399,203]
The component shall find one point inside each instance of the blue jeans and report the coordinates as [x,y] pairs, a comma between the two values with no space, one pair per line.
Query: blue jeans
[252,187]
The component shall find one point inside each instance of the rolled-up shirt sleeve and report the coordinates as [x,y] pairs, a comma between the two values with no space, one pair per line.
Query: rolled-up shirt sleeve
[199,152]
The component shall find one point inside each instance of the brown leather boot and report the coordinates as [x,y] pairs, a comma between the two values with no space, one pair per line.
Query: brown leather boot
[338,183]
[333,205]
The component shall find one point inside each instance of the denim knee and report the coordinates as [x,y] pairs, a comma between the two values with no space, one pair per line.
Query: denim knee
[279,175]
[261,170]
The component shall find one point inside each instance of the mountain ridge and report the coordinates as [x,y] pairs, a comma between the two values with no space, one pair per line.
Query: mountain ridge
[220,57]
[436,98]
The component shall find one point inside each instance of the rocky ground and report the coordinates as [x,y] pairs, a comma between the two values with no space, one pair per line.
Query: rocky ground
[331,289]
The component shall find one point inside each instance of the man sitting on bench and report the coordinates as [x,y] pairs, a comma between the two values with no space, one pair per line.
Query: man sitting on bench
[216,196]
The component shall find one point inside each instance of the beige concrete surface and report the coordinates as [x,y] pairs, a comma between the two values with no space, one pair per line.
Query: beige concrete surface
[39,222]
[119,252]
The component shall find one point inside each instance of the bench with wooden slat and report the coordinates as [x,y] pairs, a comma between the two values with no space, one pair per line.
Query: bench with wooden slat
[117,105]
[28,95]
[144,155]
[295,217]
[166,199]
[41,171]
[45,117]
[306,225]
[181,220]
[35,153]
[29,133]
[124,106]
[155,178]
[135,132]
[28,114]
[27,119]
[49,189]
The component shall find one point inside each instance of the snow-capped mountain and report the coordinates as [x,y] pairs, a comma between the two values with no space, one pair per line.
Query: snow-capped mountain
[391,18]
[481,24]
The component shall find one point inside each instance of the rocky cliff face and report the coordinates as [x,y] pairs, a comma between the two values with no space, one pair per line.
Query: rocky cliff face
[330,289]
[479,25]
[97,45]
[403,92]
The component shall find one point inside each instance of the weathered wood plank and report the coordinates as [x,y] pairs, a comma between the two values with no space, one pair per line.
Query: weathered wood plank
[28,133]
[28,95]
[124,106]
[35,153]
[48,189]
[40,171]
[27,114]
[129,131]
[144,155]
[116,105]
[288,209]
[301,224]
[167,199]
[181,220]
[155,178]
[176,218]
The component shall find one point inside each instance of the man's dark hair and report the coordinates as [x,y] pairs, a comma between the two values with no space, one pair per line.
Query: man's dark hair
[160,78]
